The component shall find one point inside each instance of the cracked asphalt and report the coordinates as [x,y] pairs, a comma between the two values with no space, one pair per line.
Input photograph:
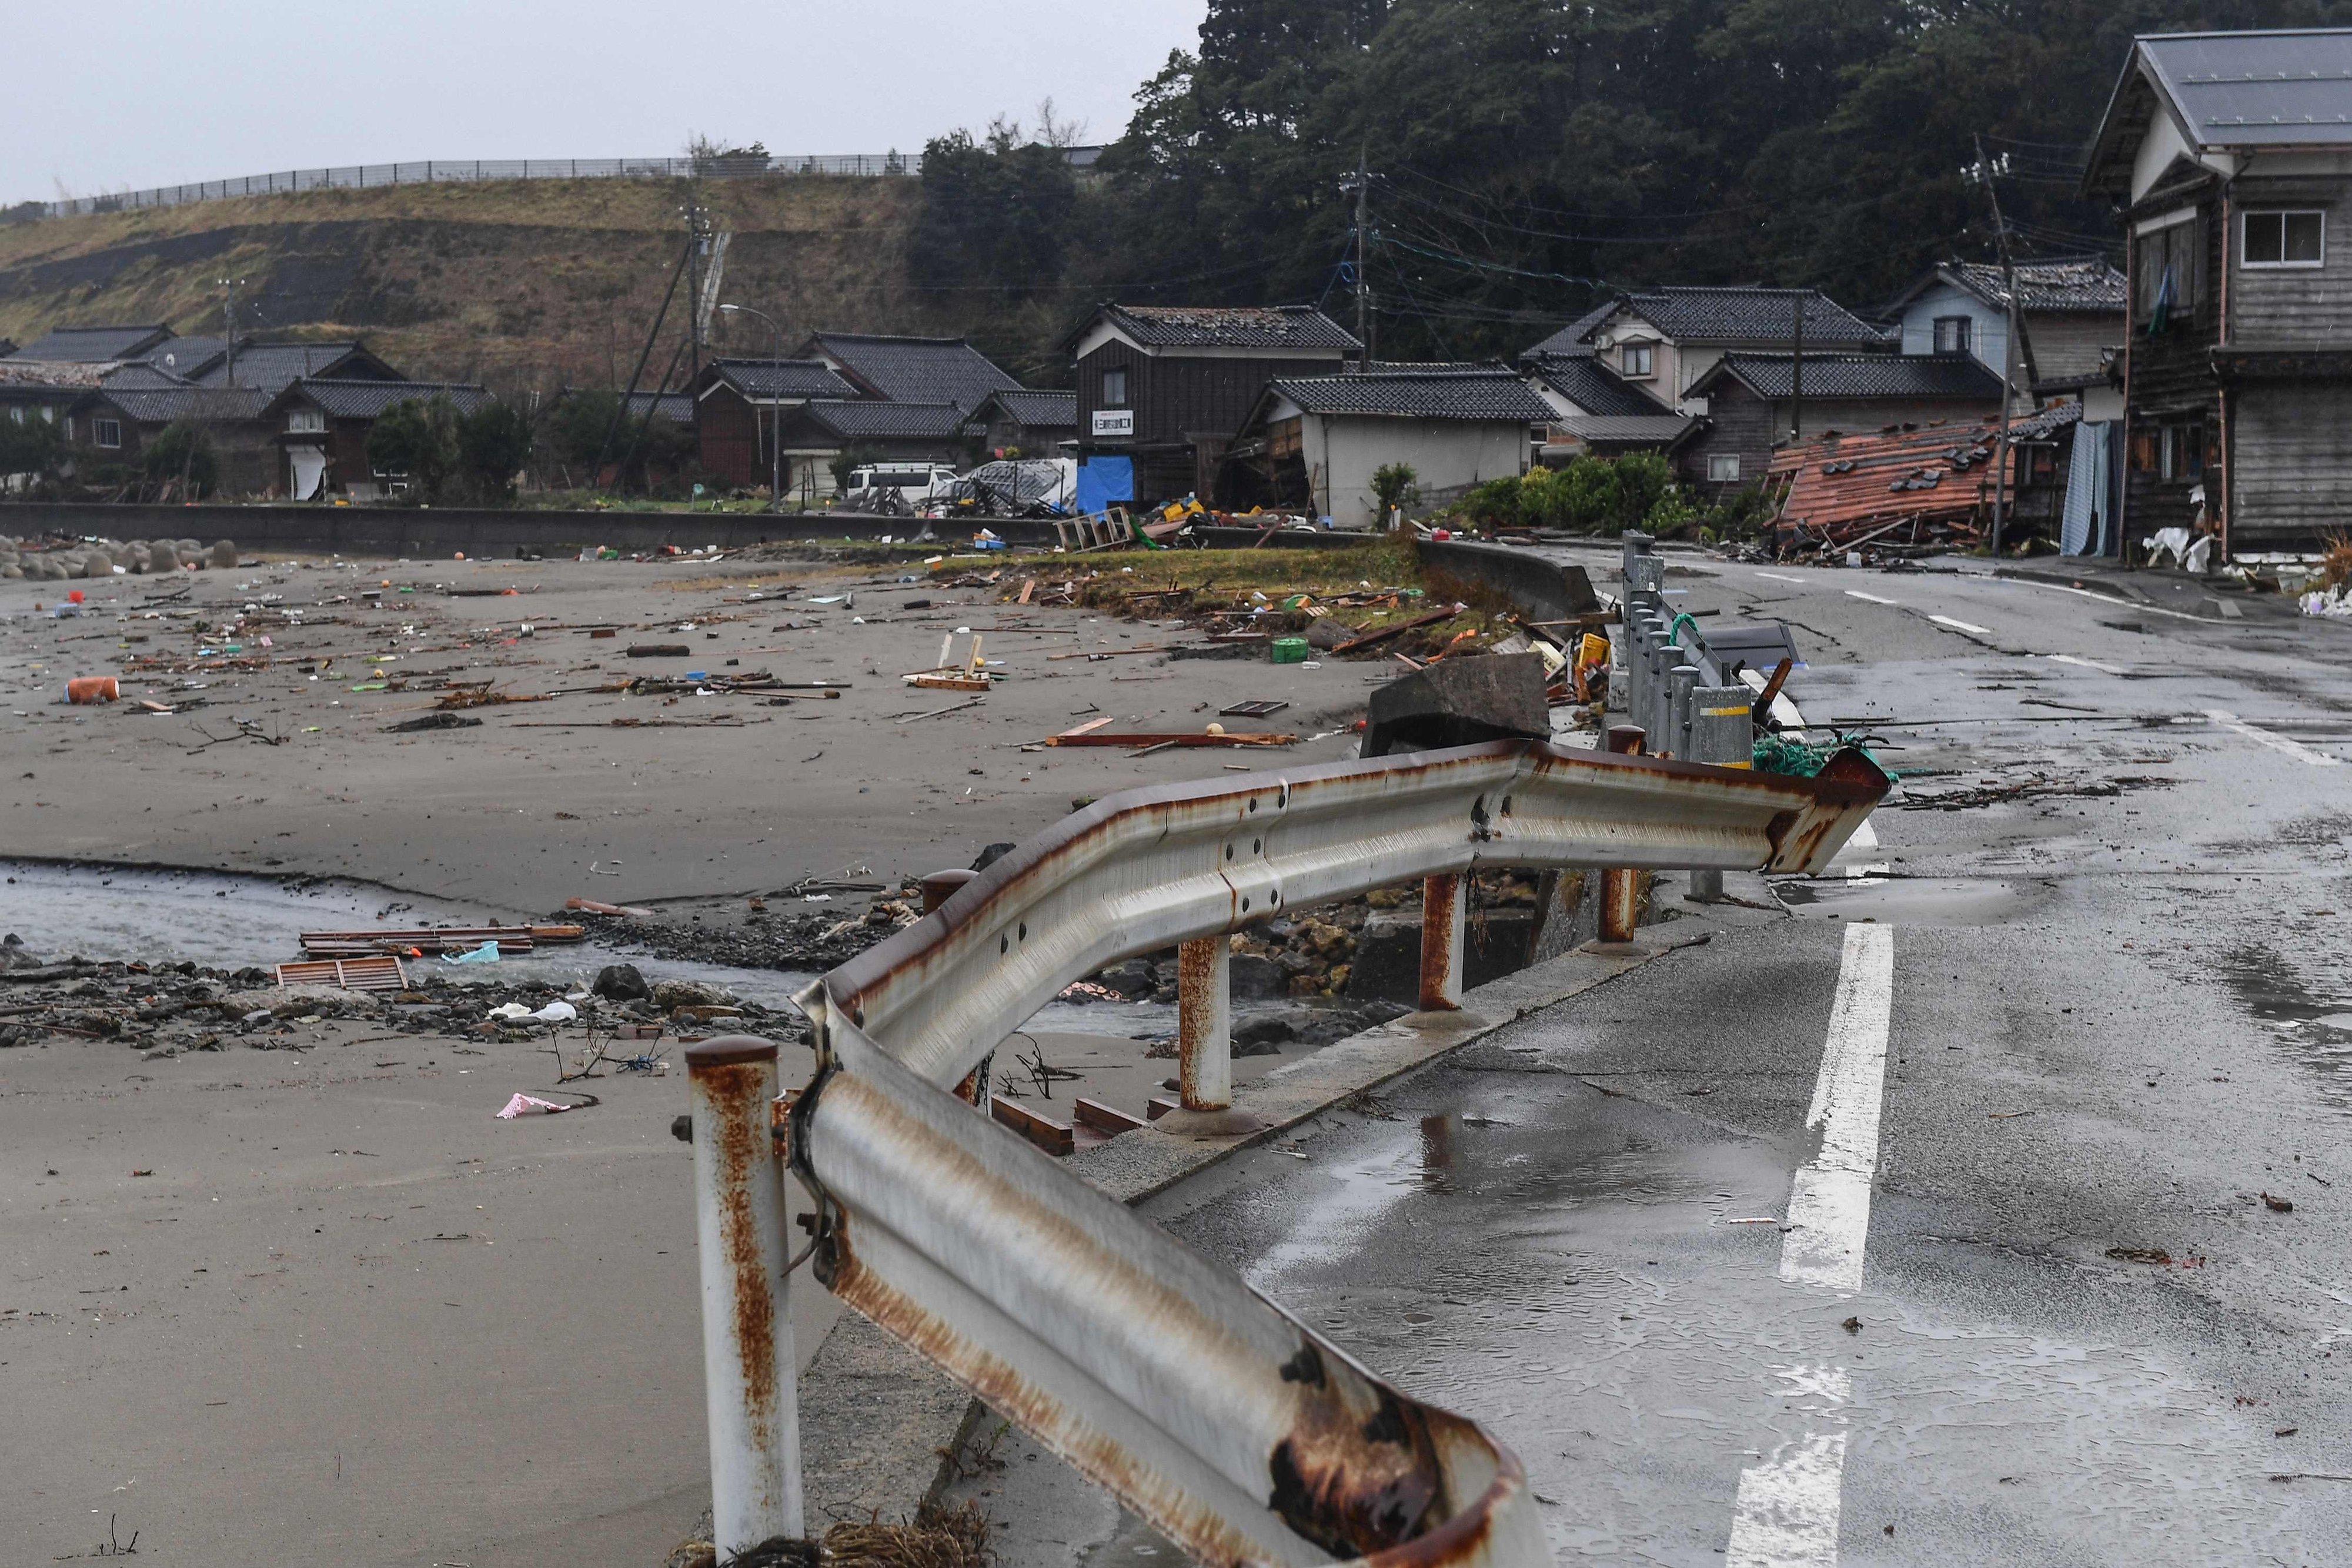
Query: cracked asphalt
[2104,1313]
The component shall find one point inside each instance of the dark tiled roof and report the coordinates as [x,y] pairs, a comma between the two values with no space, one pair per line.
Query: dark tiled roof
[161,405]
[1231,326]
[1592,386]
[2087,286]
[277,366]
[367,400]
[1744,315]
[139,374]
[916,370]
[91,345]
[762,378]
[1860,376]
[1568,341]
[186,357]
[1454,394]
[1038,408]
[871,419]
[1662,430]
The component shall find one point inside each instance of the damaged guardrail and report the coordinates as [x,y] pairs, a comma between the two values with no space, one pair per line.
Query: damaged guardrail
[1234,1429]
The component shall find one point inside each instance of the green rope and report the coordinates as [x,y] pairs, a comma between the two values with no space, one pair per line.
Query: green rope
[1674,632]
[1803,759]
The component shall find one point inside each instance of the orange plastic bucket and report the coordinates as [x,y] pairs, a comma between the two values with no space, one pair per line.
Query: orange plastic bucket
[92,689]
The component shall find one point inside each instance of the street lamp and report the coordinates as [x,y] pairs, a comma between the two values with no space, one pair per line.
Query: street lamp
[775,406]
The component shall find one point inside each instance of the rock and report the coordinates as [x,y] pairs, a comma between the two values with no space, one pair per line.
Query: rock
[1263,1036]
[1387,967]
[1460,702]
[1292,964]
[994,853]
[223,554]
[1131,979]
[1255,976]
[1326,632]
[326,1001]
[673,994]
[621,983]
[161,558]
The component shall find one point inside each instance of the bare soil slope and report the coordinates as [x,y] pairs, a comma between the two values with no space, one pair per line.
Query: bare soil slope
[522,283]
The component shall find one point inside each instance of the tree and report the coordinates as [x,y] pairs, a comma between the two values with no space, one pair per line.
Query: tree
[493,443]
[416,439]
[183,452]
[32,449]
[1392,482]
[576,428]
[994,219]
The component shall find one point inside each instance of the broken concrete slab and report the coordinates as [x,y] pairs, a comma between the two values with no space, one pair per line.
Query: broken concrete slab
[1460,702]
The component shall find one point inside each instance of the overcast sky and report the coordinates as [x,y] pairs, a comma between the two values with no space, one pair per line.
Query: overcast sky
[155,92]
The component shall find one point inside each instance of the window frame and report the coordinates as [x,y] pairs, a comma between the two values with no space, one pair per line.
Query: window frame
[1114,376]
[98,433]
[1964,338]
[1649,354]
[2245,238]
[1718,461]
[304,419]
[2147,284]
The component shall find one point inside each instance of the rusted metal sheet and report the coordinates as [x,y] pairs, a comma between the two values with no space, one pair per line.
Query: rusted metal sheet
[1441,930]
[746,1333]
[1233,1427]
[1204,1023]
[1148,868]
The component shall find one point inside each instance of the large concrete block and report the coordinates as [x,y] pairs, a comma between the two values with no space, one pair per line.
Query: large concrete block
[1460,702]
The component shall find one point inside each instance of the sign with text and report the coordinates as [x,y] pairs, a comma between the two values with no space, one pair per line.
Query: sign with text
[1114,422]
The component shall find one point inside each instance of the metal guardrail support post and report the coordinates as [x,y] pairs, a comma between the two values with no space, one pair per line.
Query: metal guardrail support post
[748,1364]
[1621,887]
[1723,735]
[1204,1023]
[1442,932]
[1682,680]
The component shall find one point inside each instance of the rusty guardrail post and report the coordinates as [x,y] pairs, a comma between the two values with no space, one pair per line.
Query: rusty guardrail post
[1204,1023]
[748,1365]
[1621,887]
[1441,934]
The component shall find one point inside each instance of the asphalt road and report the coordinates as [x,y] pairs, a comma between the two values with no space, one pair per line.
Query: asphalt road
[1925,1221]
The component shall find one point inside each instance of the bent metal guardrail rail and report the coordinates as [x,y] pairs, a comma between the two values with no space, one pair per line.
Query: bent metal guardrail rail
[1234,1428]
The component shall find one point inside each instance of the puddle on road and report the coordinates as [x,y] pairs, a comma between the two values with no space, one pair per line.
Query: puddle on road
[1913,901]
[2316,1029]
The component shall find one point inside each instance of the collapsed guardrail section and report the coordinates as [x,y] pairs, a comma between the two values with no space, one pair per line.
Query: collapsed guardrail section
[1234,1429]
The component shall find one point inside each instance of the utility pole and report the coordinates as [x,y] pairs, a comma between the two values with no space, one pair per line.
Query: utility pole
[1363,186]
[1796,366]
[697,222]
[229,286]
[1982,173]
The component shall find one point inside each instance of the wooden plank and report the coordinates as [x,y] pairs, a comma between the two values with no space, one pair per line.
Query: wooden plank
[1181,737]
[1106,1118]
[1156,1107]
[950,682]
[1053,1137]
[1385,633]
[1091,724]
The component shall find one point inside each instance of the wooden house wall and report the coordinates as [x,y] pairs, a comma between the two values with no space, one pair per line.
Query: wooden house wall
[2293,305]
[2171,381]
[1177,397]
[2295,476]
[730,435]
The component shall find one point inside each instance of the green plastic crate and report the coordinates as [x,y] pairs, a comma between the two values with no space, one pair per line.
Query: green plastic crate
[1291,650]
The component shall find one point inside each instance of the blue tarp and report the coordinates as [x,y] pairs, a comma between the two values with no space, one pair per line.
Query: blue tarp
[1103,480]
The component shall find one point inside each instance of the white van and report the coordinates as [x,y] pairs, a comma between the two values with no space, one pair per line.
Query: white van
[915,483]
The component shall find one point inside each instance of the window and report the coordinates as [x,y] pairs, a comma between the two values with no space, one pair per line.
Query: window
[1723,470]
[2166,279]
[2283,239]
[305,419]
[1114,389]
[2183,452]
[1953,335]
[106,432]
[1636,359]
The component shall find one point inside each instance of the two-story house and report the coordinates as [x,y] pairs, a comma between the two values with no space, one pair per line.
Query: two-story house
[2227,153]
[1662,341]
[1165,387]
[2071,310]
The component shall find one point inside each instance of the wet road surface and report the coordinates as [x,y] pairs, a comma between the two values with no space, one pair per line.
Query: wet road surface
[1932,1220]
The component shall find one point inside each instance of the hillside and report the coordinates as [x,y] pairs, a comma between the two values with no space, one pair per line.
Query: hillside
[524,284]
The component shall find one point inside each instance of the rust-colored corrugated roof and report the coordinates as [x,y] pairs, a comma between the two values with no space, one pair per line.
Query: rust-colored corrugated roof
[1942,470]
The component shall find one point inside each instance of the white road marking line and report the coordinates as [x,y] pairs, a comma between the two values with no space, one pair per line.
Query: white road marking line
[1863,872]
[1869,598]
[2110,598]
[2081,663]
[1829,1210]
[2278,743]
[1962,626]
[1778,577]
[1787,1512]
